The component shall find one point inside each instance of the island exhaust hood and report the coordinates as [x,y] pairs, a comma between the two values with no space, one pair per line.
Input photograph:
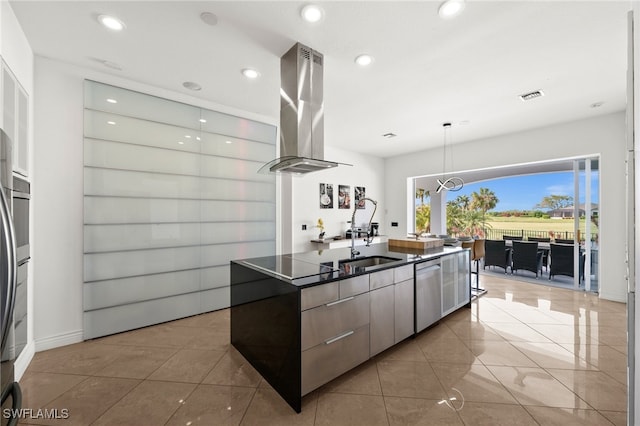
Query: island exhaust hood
[301,114]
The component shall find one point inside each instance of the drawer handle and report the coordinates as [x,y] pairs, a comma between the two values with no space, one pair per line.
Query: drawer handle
[337,302]
[342,336]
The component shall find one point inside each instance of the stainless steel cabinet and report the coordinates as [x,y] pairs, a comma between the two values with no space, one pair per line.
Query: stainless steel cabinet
[335,330]
[382,325]
[455,282]
[391,307]
[404,308]
[15,118]
[428,293]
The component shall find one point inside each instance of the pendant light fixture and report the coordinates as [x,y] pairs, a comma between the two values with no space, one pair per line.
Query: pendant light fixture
[452,183]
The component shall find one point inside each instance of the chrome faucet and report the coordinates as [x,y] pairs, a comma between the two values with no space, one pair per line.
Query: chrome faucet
[369,238]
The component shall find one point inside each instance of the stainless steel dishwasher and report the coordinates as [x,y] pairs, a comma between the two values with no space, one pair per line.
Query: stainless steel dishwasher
[428,293]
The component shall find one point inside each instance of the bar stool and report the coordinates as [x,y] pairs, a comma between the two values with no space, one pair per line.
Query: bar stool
[477,254]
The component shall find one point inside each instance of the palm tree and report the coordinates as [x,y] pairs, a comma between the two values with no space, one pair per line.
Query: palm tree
[484,201]
[463,201]
[421,194]
[423,218]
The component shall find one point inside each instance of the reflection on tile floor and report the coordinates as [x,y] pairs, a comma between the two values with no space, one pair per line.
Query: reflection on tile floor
[523,354]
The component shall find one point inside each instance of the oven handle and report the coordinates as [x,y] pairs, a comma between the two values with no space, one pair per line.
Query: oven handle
[10,246]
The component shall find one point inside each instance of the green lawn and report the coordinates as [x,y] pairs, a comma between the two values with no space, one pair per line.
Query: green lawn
[535,224]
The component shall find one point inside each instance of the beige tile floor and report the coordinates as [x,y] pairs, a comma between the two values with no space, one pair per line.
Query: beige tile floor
[524,354]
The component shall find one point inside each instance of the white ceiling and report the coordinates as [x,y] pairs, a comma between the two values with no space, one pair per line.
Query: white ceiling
[426,70]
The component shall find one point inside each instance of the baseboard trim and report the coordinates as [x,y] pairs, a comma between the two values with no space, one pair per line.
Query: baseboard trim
[23,361]
[58,340]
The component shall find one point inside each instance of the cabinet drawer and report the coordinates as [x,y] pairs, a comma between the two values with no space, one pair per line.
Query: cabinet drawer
[352,286]
[327,361]
[381,279]
[325,322]
[403,273]
[319,295]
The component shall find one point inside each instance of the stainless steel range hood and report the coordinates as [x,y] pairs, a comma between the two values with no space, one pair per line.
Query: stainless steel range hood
[301,113]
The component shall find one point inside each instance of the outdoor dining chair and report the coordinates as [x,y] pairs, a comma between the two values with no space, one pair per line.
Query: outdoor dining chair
[562,261]
[497,254]
[527,256]
[545,252]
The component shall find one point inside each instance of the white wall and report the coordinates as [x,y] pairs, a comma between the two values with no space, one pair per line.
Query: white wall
[367,171]
[604,135]
[58,209]
[17,54]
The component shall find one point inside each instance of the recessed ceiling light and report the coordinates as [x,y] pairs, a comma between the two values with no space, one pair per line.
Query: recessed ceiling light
[227,142]
[111,22]
[596,104]
[364,60]
[250,73]
[191,85]
[197,138]
[202,120]
[187,136]
[311,13]
[113,123]
[532,95]
[451,8]
[112,101]
[209,18]
[180,143]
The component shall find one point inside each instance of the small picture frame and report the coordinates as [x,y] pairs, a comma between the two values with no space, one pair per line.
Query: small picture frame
[344,197]
[326,195]
[359,196]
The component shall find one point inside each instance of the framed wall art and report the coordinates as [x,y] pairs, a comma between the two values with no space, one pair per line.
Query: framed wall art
[358,196]
[344,197]
[326,195]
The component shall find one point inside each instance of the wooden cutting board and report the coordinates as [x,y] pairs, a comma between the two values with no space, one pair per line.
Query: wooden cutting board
[422,243]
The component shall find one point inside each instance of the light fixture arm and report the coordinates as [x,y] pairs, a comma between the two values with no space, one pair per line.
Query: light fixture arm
[452,183]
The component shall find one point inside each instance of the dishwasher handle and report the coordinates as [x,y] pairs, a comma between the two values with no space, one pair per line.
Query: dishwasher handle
[425,267]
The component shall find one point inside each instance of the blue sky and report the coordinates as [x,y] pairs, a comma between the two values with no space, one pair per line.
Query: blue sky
[524,192]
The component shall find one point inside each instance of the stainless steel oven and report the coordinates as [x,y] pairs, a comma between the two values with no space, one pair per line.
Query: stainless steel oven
[21,199]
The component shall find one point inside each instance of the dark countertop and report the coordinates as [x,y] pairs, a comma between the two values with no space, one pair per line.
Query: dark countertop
[322,266]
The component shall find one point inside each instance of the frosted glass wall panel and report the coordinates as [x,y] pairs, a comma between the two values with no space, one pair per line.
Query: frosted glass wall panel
[225,124]
[171,196]
[128,103]
[224,211]
[211,300]
[116,128]
[117,183]
[123,264]
[232,168]
[221,189]
[221,254]
[122,156]
[103,238]
[226,146]
[215,277]
[108,293]
[107,210]
[101,322]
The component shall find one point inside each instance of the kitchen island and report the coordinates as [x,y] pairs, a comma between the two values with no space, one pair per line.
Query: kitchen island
[303,319]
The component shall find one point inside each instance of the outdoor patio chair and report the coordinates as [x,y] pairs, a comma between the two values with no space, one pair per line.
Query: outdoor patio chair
[562,241]
[511,237]
[545,252]
[497,254]
[527,256]
[562,261]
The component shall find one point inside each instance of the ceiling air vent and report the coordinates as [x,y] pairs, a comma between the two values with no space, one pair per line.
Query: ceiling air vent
[531,95]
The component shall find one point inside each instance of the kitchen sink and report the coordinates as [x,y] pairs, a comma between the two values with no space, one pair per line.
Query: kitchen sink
[364,262]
